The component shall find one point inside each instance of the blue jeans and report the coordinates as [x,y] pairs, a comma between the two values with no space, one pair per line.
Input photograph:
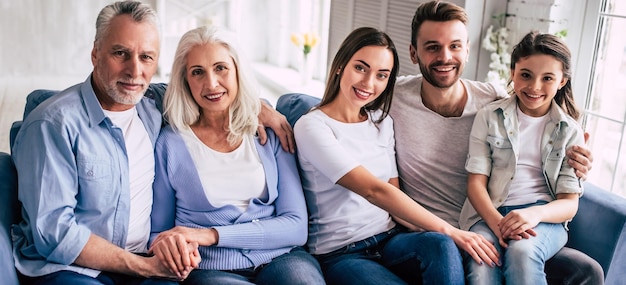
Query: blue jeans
[105,278]
[395,257]
[523,261]
[294,267]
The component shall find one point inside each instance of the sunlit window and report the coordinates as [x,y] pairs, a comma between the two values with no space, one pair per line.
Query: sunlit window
[264,29]
[606,101]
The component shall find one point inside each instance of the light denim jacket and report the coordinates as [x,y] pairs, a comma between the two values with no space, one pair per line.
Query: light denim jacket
[73,180]
[494,150]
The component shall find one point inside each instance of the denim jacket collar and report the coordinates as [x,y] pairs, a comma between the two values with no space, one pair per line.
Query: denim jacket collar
[509,105]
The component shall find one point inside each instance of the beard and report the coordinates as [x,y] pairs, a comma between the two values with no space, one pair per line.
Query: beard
[118,95]
[427,73]
[125,98]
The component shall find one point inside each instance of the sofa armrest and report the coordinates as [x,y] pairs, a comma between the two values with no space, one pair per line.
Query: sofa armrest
[598,230]
[9,213]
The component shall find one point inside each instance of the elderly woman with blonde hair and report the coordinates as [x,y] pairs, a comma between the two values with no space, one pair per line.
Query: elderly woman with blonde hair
[216,185]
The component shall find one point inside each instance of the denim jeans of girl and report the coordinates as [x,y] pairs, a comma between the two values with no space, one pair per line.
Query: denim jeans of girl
[395,257]
[524,260]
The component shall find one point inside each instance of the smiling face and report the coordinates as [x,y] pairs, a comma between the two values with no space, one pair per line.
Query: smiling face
[441,52]
[124,61]
[536,79]
[366,75]
[212,77]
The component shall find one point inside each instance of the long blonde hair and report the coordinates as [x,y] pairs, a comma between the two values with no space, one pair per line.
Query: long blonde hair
[180,110]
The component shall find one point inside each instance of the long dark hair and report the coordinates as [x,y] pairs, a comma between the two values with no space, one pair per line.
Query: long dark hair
[537,43]
[356,40]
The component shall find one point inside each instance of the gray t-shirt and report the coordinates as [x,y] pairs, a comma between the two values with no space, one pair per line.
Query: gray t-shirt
[431,149]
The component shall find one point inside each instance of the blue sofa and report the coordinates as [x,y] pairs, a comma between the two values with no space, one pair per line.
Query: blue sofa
[598,229]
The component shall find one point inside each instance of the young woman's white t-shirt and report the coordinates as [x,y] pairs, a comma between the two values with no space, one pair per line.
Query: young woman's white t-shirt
[327,150]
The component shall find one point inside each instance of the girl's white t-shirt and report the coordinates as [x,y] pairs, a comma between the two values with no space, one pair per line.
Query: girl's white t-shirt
[529,184]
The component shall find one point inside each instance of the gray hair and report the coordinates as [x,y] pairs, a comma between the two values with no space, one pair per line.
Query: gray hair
[140,13]
[181,110]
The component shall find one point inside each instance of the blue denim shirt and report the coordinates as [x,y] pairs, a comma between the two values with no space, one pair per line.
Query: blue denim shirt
[494,150]
[73,179]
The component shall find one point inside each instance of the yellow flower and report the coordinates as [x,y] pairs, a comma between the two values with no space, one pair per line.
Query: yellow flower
[295,39]
[306,40]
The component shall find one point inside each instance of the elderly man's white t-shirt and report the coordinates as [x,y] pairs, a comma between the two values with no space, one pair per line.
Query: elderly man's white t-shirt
[327,150]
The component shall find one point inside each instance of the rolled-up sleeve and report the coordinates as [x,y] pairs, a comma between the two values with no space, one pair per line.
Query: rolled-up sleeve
[567,181]
[479,153]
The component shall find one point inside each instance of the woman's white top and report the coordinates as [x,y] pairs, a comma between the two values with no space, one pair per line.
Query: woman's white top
[240,170]
[329,149]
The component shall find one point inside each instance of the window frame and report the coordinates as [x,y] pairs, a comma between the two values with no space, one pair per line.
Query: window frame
[584,73]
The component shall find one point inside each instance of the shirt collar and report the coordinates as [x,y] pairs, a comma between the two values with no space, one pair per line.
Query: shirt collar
[92,105]
[557,115]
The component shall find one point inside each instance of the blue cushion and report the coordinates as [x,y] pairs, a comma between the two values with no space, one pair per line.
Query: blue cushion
[598,229]
[35,98]
[294,105]
[9,214]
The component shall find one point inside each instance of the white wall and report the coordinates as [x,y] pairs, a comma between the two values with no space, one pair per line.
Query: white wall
[552,16]
[51,37]
[54,37]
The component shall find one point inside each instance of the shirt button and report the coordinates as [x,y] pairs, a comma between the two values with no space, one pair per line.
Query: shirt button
[550,142]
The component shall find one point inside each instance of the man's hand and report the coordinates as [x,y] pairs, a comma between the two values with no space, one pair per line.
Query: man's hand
[177,249]
[268,117]
[158,269]
[580,158]
[477,246]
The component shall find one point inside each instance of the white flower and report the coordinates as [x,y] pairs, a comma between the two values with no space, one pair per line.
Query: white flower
[495,42]
[503,32]
[495,57]
[493,77]
[487,42]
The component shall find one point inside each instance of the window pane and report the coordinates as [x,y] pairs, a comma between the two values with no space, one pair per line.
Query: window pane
[607,97]
[606,109]
[604,144]
[616,7]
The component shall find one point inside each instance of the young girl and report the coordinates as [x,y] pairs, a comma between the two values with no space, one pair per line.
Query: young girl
[350,181]
[519,182]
